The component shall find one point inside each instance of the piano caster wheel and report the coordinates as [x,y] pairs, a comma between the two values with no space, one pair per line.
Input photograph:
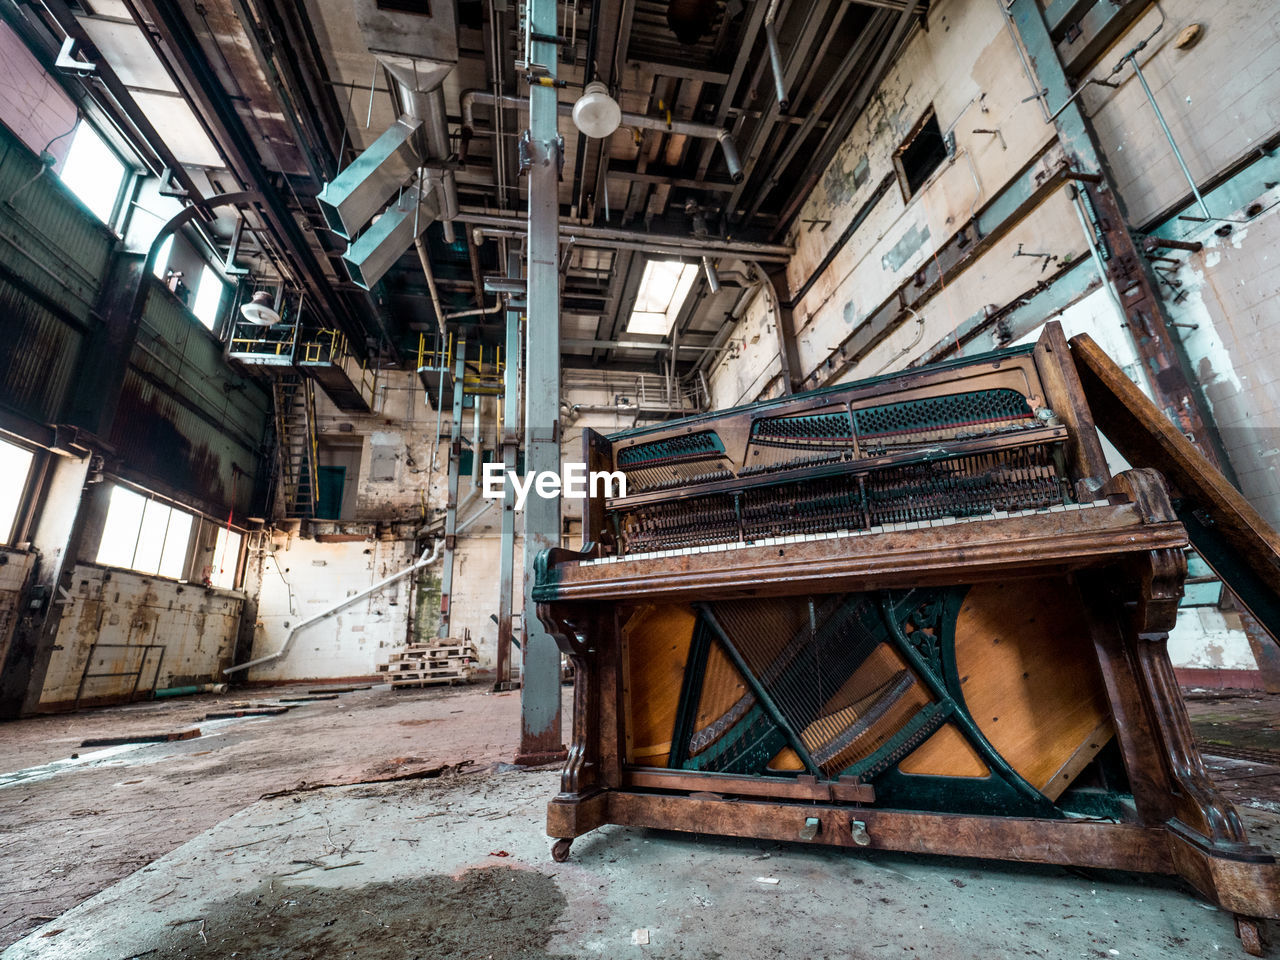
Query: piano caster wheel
[1250,934]
[560,850]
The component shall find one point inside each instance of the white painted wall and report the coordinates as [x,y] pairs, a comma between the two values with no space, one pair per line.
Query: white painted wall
[303,578]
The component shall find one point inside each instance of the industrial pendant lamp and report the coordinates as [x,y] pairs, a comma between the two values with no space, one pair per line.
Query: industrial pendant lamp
[258,310]
[596,113]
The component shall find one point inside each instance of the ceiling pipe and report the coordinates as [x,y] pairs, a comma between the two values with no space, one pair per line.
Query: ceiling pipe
[420,244]
[624,239]
[685,128]
[775,56]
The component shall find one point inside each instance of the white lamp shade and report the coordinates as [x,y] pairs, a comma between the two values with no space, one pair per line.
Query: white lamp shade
[596,113]
[258,310]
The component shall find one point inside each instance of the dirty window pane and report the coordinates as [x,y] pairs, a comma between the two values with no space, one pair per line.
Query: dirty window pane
[15,467]
[93,172]
[155,521]
[226,553]
[145,535]
[173,559]
[120,534]
[208,297]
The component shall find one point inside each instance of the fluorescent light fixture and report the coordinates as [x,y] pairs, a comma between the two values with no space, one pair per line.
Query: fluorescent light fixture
[663,289]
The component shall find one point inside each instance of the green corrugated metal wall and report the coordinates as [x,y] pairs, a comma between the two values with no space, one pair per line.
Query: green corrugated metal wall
[185,419]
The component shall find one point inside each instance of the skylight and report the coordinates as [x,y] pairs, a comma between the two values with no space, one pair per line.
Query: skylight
[663,289]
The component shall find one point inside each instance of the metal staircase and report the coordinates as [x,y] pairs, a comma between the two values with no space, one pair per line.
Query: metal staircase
[295,412]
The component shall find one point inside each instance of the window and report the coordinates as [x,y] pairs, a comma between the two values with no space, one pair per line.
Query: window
[15,469]
[923,152]
[161,266]
[208,297]
[145,535]
[93,172]
[663,289]
[226,557]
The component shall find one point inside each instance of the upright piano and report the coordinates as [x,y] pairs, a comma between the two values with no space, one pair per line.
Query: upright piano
[914,613]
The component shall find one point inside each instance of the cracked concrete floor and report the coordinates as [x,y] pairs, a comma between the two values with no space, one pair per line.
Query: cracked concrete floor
[415,868]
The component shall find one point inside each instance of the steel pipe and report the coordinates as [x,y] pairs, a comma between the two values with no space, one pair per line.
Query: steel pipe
[684,128]
[775,56]
[635,240]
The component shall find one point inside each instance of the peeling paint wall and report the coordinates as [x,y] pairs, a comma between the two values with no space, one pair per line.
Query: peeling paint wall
[1220,98]
[303,578]
[111,618]
[14,567]
[1231,312]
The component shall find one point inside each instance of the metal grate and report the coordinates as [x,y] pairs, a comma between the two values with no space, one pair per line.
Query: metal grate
[940,413]
[822,426]
[704,444]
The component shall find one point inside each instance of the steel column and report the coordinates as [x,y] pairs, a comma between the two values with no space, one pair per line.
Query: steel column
[451,507]
[510,440]
[540,694]
[1127,269]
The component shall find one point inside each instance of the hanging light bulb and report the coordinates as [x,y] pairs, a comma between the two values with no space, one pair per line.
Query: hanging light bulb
[258,310]
[596,113]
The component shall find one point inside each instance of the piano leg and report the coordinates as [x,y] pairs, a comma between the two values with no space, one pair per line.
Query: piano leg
[582,805]
[1170,783]
[1248,929]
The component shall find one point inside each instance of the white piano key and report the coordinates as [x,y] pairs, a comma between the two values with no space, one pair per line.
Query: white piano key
[1101,503]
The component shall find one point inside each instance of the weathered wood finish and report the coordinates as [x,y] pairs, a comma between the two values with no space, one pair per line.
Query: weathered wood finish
[1146,437]
[959,553]
[1125,559]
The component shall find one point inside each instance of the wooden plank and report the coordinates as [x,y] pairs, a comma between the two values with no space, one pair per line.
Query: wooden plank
[1118,846]
[1065,397]
[1241,547]
[1024,654]
[141,738]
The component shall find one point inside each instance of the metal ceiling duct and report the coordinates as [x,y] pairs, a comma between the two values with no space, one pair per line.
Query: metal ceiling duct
[373,178]
[418,50]
[390,236]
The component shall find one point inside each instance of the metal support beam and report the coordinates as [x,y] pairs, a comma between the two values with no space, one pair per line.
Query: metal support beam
[510,440]
[1127,269]
[540,694]
[451,506]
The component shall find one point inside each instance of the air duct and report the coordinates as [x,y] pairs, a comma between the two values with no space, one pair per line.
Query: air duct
[390,236]
[418,50]
[361,190]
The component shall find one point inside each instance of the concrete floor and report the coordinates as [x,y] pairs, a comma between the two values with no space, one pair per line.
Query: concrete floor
[417,867]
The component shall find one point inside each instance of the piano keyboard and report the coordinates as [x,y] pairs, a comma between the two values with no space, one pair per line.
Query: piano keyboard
[839,534]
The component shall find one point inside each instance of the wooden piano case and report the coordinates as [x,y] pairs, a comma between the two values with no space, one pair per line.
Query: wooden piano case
[997,687]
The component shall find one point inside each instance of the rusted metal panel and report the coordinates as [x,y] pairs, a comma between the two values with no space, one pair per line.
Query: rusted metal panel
[38,355]
[46,237]
[184,417]
[125,634]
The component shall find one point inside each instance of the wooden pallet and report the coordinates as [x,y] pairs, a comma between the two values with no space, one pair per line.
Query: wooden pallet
[447,660]
[422,678]
[448,663]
